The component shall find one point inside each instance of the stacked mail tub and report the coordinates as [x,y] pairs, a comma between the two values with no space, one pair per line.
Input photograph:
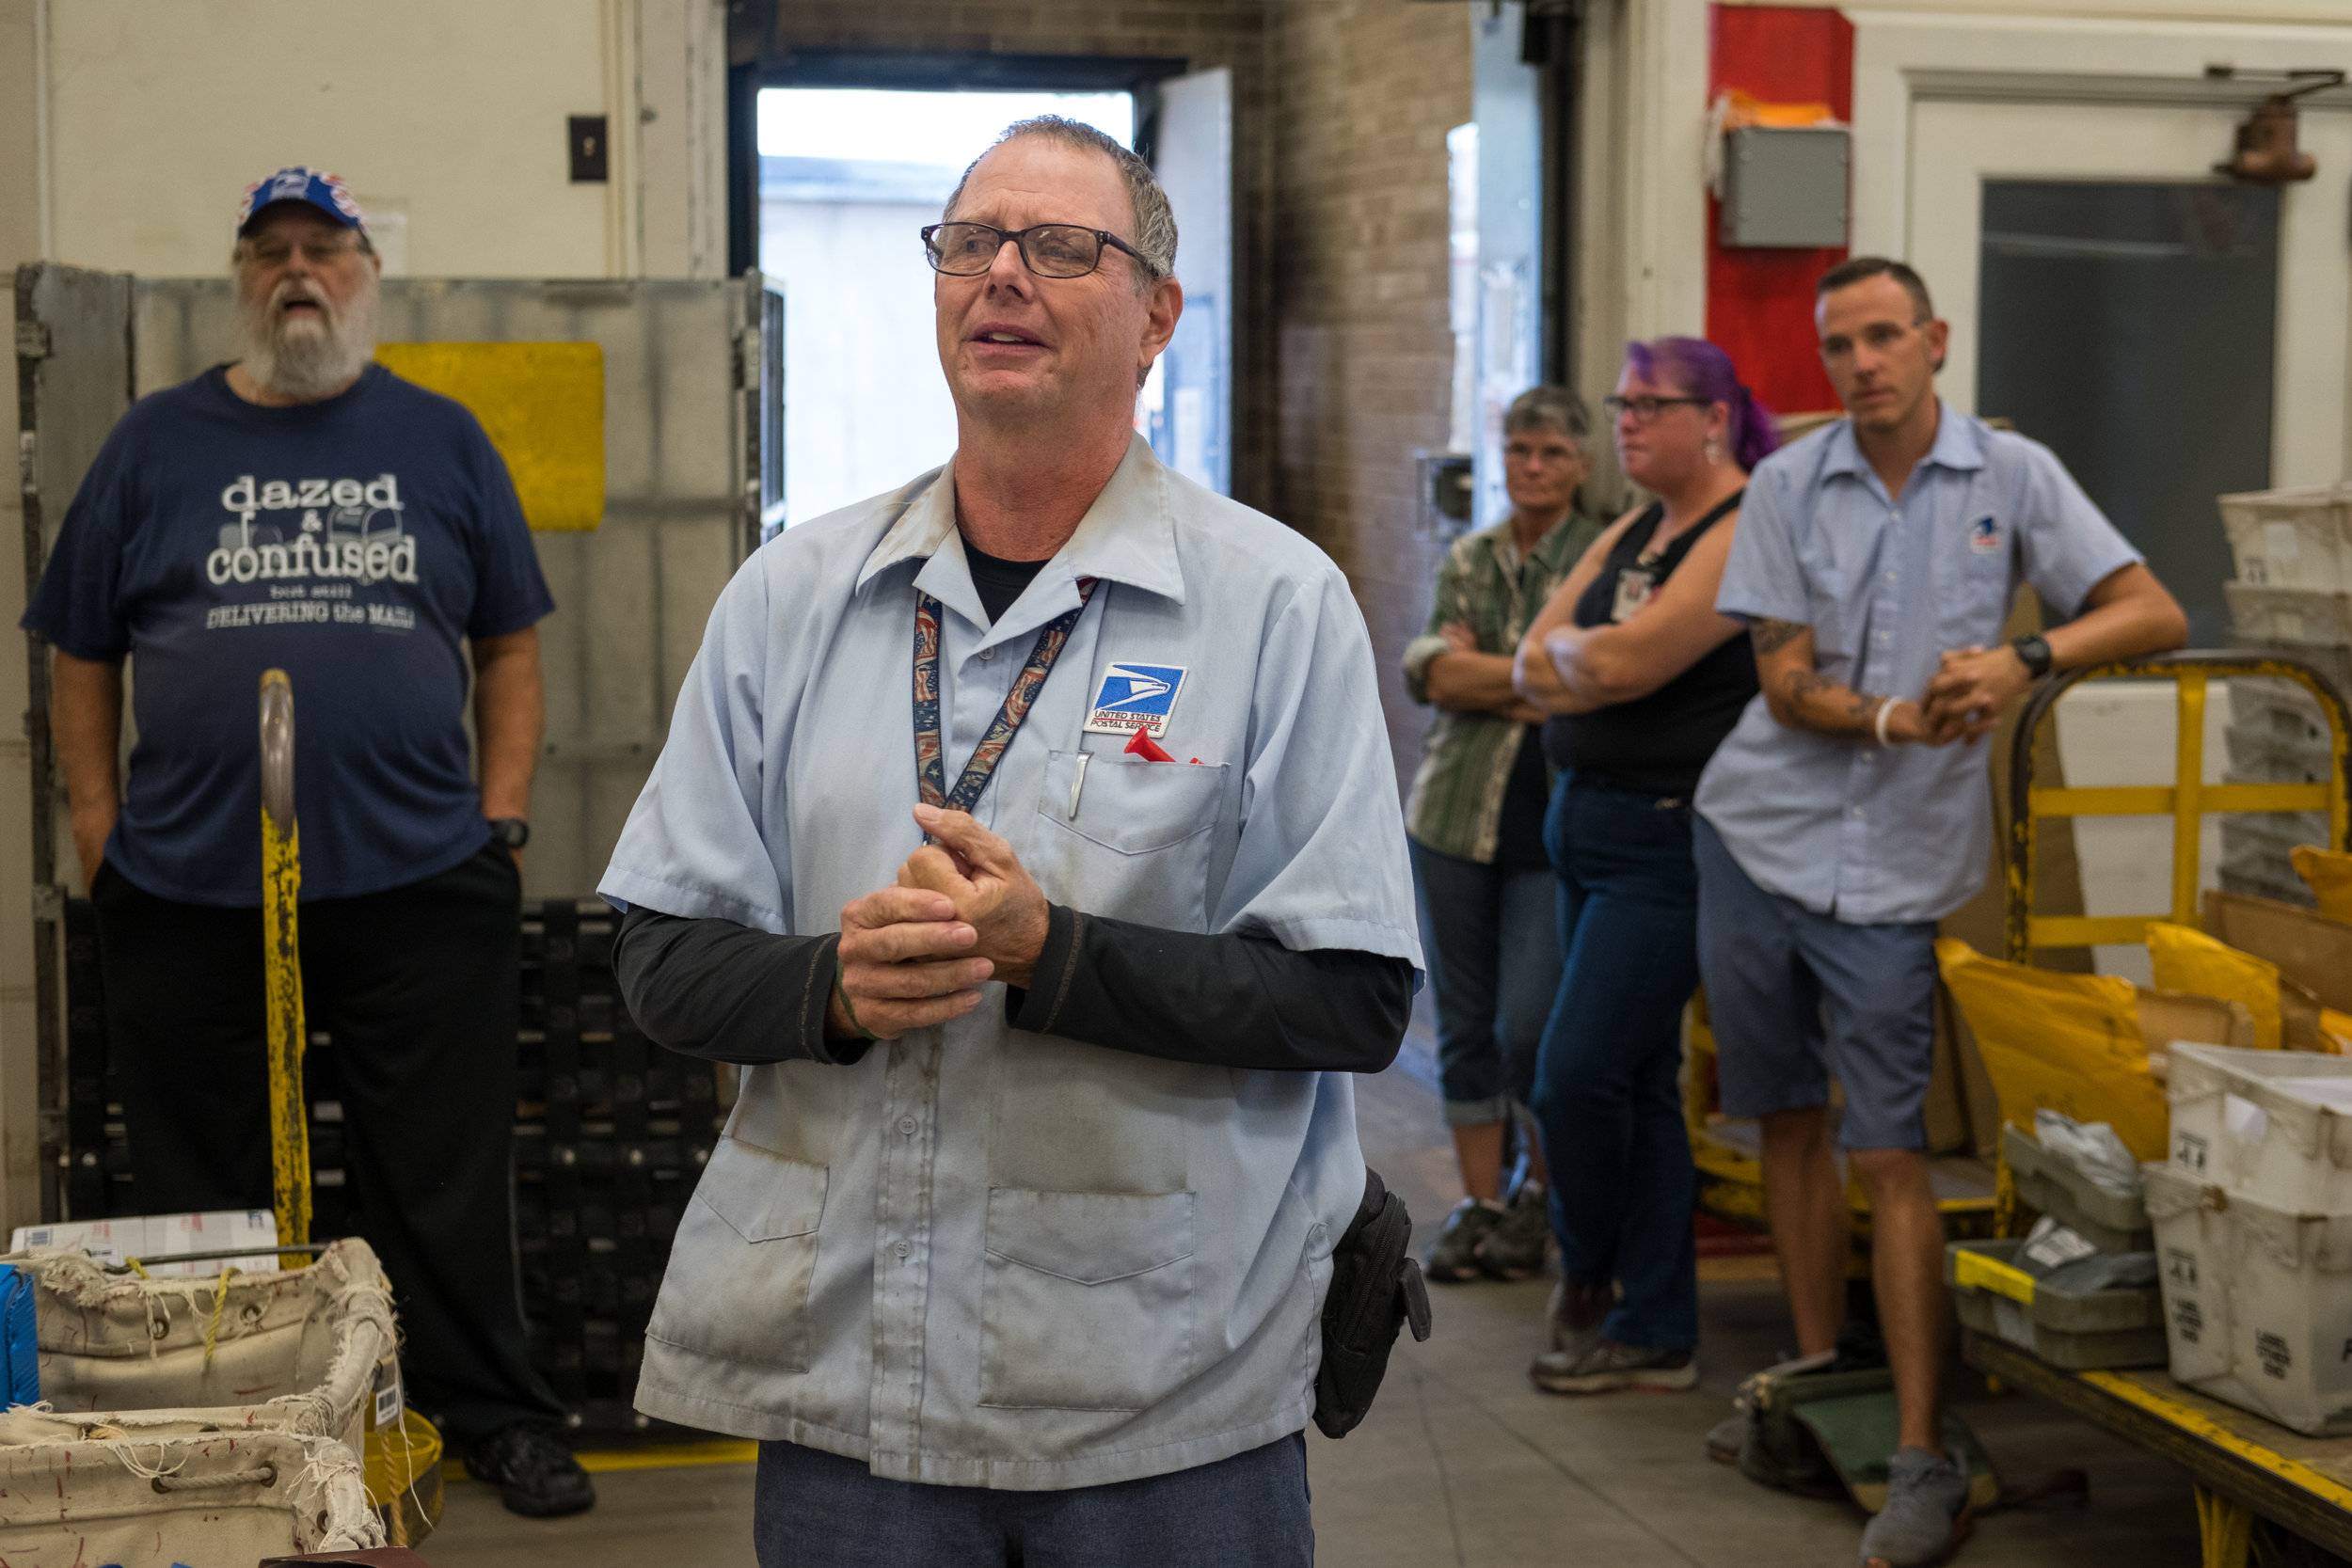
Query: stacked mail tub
[2292,596]
[2253,1223]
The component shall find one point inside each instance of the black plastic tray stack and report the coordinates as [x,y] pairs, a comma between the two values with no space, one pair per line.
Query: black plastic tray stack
[610,1137]
[611,1133]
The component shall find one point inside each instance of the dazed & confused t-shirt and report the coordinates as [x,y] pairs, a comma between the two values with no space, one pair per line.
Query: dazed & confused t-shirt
[350,543]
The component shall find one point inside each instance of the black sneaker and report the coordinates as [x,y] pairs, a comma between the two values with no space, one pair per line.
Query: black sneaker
[535,1473]
[1514,1247]
[1453,1257]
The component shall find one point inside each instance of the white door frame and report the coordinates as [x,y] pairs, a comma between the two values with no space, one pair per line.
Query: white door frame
[1904,61]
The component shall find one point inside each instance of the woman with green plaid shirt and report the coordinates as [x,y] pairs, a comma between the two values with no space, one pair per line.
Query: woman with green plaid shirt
[1475,818]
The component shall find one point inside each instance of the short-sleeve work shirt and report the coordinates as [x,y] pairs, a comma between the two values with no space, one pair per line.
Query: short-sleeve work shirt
[979,1256]
[1887,584]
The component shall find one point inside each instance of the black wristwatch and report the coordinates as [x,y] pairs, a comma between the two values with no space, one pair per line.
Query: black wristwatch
[2033,651]
[509,832]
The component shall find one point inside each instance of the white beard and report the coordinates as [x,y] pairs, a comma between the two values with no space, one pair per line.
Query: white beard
[307,359]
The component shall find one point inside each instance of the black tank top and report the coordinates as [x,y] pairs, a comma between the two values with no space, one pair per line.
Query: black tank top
[1656,744]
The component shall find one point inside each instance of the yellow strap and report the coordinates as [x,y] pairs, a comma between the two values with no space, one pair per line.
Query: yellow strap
[220,1300]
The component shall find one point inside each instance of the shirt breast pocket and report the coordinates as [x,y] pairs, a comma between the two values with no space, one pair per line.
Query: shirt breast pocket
[1126,838]
[1975,591]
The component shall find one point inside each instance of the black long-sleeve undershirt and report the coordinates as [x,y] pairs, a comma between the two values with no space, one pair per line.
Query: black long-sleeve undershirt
[713,989]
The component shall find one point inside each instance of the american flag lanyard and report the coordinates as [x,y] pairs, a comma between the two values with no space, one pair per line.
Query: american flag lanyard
[931,773]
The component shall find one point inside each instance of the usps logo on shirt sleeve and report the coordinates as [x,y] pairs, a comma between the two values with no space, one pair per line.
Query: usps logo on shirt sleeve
[1135,697]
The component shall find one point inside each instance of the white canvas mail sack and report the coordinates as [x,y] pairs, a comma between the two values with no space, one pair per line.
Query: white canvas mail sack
[298,1351]
[198,1500]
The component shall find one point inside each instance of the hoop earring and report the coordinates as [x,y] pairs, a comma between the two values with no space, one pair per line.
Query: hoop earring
[1714,451]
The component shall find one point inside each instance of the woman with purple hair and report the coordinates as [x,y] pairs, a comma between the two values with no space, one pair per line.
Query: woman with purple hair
[1643,679]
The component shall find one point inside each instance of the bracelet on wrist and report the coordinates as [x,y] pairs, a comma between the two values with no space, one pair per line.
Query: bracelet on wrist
[1886,709]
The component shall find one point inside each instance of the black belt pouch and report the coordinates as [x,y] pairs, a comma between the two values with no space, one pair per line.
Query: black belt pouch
[1375,1289]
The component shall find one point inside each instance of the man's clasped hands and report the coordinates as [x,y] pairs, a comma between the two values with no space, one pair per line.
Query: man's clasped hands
[962,911]
[1970,687]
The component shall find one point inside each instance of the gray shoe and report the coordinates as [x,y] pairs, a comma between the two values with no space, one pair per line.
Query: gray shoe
[1606,1366]
[1453,1257]
[1926,1516]
[1576,1315]
[1514,1247]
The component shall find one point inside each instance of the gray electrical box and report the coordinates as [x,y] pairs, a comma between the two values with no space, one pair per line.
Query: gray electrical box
[1785,187]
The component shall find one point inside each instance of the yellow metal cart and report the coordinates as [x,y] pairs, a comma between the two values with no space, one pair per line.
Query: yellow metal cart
[2187,800]
[2245,1468]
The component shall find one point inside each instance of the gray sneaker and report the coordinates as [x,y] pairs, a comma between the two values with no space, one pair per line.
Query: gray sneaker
[1926,1516]
[1514,1247]
[1606,1366]
[1453,1257]
[1576,1315]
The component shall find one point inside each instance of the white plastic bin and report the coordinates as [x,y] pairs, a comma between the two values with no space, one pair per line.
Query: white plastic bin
[2286,1281]
[2190,1267]
[2273,1125]
[2299,538]
[2300,617]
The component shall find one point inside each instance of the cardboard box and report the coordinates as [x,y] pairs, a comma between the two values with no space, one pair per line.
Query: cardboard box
[2310,949]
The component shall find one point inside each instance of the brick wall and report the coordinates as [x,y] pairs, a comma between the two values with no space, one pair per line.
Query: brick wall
[1365,92]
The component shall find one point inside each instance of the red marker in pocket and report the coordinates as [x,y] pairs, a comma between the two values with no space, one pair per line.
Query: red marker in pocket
[1145,747]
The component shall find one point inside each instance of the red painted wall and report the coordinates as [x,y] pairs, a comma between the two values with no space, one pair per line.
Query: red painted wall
[1760,302]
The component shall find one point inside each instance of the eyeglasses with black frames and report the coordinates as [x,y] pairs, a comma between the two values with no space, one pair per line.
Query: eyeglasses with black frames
[1645,409]
[1047,249]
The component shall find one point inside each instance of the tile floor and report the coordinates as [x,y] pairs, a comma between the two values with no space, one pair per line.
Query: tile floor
[1463,1465]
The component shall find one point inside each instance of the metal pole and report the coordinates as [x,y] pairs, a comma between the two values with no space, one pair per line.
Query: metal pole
[281,883]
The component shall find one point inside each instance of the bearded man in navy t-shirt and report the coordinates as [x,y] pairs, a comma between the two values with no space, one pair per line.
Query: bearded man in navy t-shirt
[306,509]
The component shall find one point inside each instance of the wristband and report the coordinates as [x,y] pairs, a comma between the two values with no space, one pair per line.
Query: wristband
[842,996]
[1886,708]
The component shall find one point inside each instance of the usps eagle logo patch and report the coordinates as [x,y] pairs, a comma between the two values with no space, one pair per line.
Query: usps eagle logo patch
[1135,697]
[1984,536]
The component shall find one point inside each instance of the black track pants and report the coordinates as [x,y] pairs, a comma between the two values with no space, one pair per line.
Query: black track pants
[418,987]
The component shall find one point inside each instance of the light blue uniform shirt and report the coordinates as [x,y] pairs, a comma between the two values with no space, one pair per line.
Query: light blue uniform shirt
[1902,833]
[981,1256]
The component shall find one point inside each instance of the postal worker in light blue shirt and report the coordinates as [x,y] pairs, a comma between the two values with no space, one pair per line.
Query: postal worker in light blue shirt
[1032,834]
[1848,810]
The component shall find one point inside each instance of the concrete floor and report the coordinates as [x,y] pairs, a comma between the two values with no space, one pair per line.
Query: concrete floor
[1462,1463]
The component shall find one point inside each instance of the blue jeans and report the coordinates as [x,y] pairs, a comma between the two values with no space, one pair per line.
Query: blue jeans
[1605,1097]
[1494,965]
[816,1509]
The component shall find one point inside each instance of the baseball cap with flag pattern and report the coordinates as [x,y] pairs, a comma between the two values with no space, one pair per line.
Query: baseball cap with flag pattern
[327,192]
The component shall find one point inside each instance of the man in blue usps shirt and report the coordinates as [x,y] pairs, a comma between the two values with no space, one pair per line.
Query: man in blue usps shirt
[1848,812]
[1016,1244]
[305,509]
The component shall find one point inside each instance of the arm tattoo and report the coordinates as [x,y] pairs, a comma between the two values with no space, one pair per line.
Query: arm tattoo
[1772,636]
[1804,685]
[1861,708]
